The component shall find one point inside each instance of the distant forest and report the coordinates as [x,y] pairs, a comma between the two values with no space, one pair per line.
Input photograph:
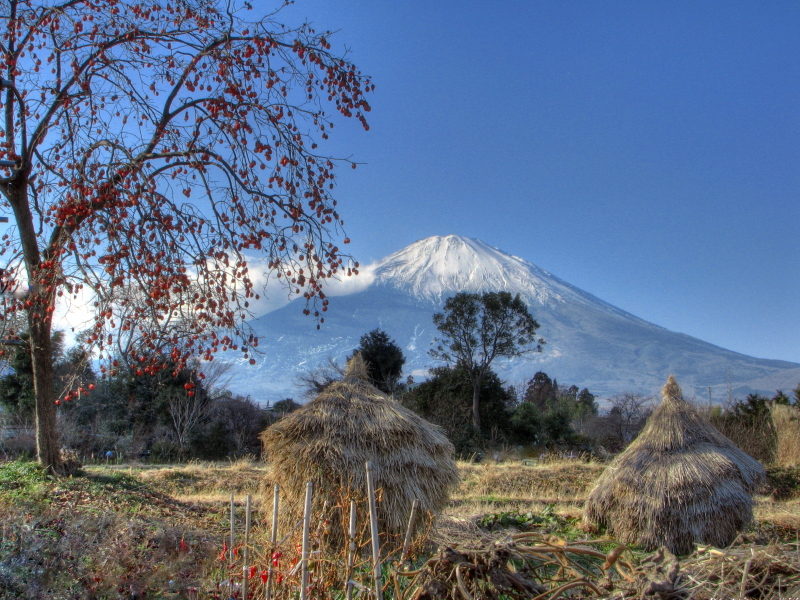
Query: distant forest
[178,415]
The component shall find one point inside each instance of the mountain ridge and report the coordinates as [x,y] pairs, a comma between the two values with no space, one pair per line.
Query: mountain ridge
[590,343]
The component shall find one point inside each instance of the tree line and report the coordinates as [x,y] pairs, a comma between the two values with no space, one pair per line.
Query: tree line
[187,412]
[173,414]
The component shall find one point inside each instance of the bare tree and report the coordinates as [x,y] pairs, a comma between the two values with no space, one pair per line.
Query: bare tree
[627,415]
[186,414]
[314,382]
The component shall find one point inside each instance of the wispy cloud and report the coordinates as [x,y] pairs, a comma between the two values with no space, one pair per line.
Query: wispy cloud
[275,293]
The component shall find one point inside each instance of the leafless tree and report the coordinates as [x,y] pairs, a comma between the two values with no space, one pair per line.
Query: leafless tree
[627,415]
[186,413]
[314,382]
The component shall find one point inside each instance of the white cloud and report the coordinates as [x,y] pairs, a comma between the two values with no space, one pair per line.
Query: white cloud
[73,315]
[275,294]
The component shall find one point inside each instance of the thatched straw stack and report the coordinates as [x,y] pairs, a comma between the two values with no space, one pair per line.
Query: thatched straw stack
[679,483]
[329,440]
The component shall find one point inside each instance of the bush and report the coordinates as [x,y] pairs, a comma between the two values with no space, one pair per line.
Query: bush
[748,424]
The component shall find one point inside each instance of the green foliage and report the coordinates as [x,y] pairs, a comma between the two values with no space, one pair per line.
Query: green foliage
[781,398]
[748,424]
[548,412]
[785,482]
[540,391]
[753,408]
[477,328]
[557,426]
[285,406]
[16,388]
[171,414]
[526,423]
[213,443]
[545,521]
[384,360]
[446,399]
[22,481]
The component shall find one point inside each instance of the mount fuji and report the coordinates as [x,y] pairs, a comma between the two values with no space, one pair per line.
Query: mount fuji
[589,343]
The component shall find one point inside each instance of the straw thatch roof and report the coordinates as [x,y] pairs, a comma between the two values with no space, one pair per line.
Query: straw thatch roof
[329,440]
[679,483]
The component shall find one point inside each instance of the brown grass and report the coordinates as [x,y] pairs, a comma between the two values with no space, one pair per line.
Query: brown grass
[130,538]
[208,482]
[786,420]
[558,482]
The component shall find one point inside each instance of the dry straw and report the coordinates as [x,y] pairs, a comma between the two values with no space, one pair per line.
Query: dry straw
[679,483]
[786,420]
[329,440]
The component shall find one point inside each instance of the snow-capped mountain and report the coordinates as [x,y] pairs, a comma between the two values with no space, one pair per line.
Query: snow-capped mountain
[435,268]
[589,342]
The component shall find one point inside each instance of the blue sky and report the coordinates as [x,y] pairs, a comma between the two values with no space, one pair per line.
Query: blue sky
[646,152]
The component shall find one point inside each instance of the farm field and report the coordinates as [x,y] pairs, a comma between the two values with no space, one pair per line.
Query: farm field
[150,531]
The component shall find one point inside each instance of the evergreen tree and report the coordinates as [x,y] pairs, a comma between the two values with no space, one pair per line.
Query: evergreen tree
[384,360]
[476,329]
[781,398]
[446,400]
[285,406]
[540,391]
[16,388]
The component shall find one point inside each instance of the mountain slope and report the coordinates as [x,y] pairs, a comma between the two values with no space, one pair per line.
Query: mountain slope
[589,342]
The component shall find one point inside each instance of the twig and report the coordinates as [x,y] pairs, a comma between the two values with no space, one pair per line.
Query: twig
[462,588]
[743,586]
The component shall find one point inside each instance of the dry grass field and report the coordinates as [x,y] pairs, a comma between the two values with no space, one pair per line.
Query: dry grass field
[137,531]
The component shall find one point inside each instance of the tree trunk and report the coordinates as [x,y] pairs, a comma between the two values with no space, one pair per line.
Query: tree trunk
[476,415]
[48,449]
[40,322]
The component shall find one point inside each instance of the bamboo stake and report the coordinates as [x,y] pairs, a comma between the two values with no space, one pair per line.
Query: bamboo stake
[351,555]
[407,541]
[373,520]
[273,537]
[306,525]
[233,510]
[246,565]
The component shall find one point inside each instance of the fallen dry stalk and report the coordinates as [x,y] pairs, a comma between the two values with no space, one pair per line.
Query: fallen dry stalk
[526,565]
[744,571]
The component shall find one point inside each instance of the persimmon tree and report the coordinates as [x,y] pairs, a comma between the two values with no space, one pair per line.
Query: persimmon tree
[151,151]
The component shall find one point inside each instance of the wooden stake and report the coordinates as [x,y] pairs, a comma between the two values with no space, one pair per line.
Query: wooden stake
[273,537]
[373,521]
[306,526]
[407,541]
[230,550]
[351,555]
[246,565]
